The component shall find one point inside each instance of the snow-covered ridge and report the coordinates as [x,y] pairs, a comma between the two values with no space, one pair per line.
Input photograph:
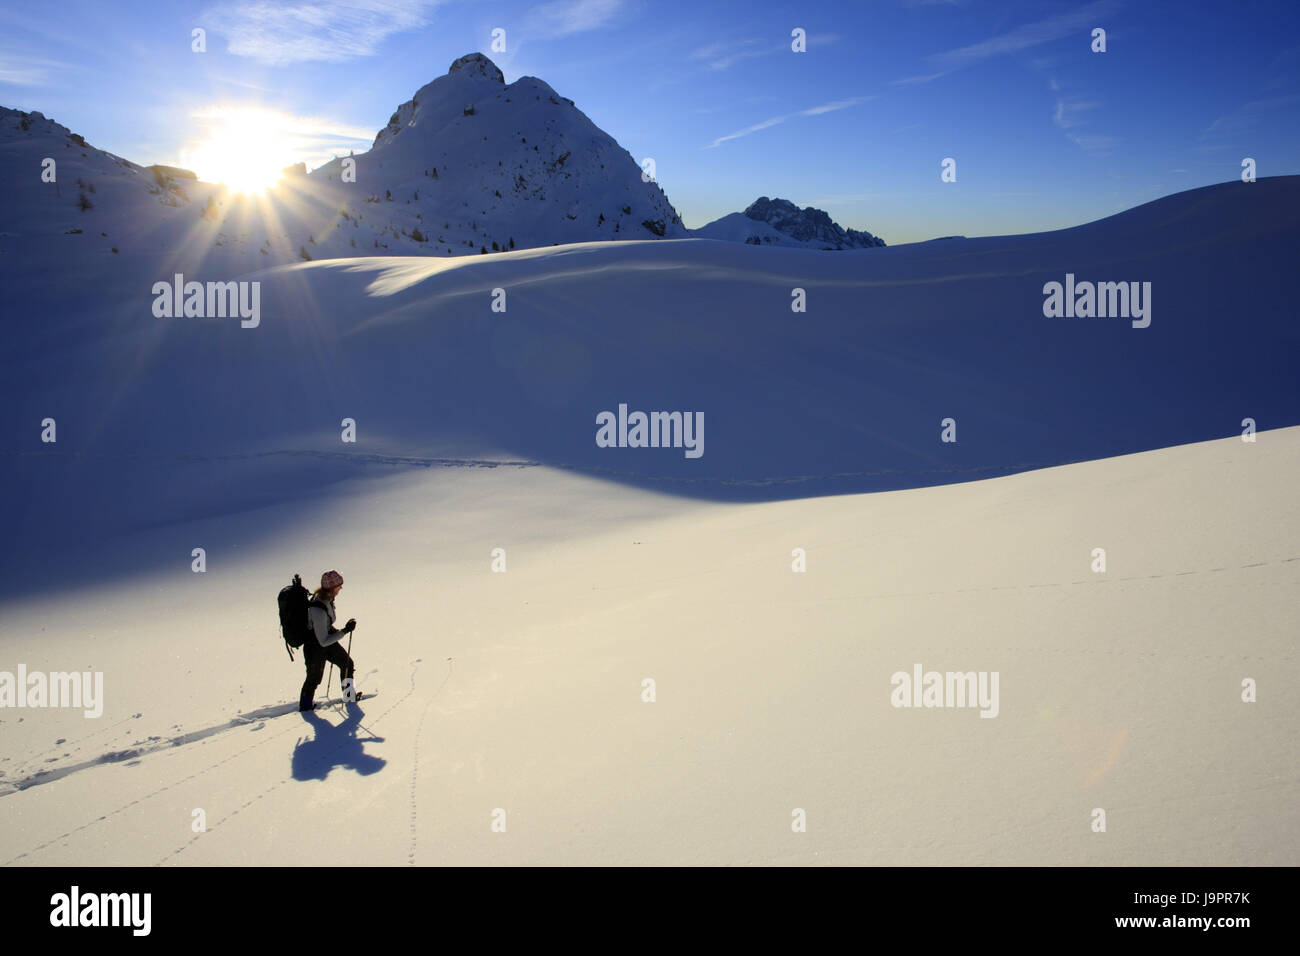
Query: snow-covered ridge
[53,183]
[468,165]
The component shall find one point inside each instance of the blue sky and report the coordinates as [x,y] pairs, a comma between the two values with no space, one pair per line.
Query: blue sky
[1045,132]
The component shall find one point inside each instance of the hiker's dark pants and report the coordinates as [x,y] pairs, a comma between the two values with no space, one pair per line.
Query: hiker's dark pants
[316,658]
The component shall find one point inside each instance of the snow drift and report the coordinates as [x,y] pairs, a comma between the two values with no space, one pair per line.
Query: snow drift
[849,396]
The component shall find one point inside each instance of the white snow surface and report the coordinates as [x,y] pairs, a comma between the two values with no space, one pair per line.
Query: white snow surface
[523,691]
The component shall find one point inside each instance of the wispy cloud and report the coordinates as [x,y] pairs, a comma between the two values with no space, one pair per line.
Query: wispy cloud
[1064,114]
[913,80]
[331,31]
[1023,37]
[778,120]
[1092,142]
[1246,117]
[1026,36]
[318,130]
[832,107]
[765,124]
[308,139]
[1067,116]
[1285,59]
[561,18]
[18,70]
[726,53]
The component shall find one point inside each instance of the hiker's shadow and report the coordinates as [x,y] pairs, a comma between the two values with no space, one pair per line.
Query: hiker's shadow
[335,745]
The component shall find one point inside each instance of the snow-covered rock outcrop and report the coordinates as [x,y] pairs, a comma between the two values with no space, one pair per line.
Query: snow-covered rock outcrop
[779,222]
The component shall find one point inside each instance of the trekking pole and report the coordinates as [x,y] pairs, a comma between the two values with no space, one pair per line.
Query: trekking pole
[354,685]
[354,670]
[327,681]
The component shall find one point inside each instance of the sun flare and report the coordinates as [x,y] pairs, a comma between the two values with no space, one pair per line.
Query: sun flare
[241,148]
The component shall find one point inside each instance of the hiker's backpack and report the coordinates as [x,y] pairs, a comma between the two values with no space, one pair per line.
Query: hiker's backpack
[294,625]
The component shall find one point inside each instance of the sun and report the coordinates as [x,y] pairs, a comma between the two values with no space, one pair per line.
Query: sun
[243,148]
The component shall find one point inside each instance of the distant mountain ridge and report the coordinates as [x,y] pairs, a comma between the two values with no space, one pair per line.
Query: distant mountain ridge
[808,224]
[779,222]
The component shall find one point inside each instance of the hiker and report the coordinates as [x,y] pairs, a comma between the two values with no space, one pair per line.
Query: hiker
[325,647]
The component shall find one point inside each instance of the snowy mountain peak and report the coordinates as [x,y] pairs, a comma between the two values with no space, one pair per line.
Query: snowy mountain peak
[470,78]
[476,64]
[471,162]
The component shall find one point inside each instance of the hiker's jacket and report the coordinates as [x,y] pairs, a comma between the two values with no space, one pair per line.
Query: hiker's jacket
[320,614]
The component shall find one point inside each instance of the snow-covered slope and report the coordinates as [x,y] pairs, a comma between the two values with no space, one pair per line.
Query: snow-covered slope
[737,227]
[847,396]
[521,693]
[779,222]
[56,185]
